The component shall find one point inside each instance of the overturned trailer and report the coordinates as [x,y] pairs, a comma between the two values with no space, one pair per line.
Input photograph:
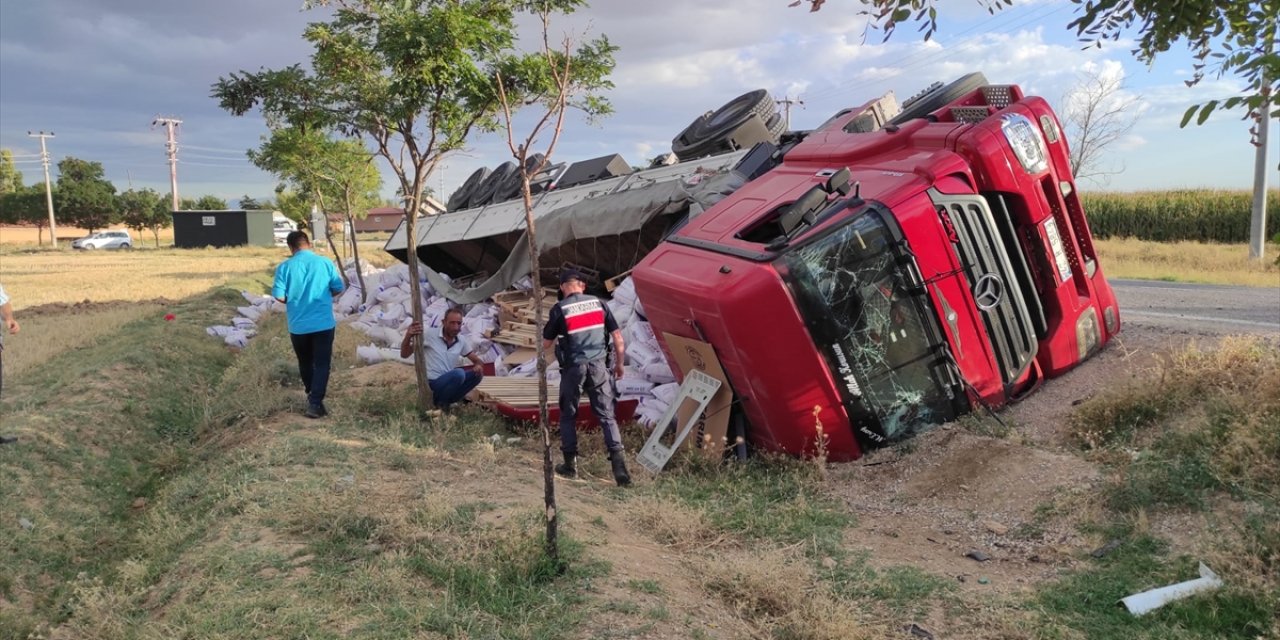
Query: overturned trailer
[885,271]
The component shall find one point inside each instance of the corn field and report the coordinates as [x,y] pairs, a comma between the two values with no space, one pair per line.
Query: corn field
[1203,215]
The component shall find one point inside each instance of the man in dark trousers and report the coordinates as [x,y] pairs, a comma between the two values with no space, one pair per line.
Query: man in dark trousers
[443,350]
[583,324]
[10,324]
[306,284]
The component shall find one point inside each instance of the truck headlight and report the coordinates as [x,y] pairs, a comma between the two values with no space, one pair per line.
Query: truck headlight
[1087,334]
[1025,140]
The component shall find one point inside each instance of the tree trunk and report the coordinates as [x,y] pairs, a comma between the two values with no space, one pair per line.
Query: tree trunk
[355,255]
[346,282]
[548,469]
[415,295]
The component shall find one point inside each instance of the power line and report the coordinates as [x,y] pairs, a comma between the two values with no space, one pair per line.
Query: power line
[786,103]
[216,149]
[48,187]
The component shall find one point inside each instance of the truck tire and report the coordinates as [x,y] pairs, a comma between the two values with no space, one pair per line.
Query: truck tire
[775,124]
[487,191]
[704,134]
[510,187]
[937,96]
[458,200]
[530,164]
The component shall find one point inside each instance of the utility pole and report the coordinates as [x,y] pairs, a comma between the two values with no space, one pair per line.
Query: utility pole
[171,124]
[48,187]
[1258,221]
[786,108]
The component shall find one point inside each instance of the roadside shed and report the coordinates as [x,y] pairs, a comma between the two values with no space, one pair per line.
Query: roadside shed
[227,228]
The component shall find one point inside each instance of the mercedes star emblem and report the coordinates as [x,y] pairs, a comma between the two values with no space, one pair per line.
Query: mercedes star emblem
[988,291]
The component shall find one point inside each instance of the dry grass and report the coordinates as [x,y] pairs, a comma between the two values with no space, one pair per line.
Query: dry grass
[32,237]
[1203,435]
[1187,262]
[783,599]
[45,336]
[46,277]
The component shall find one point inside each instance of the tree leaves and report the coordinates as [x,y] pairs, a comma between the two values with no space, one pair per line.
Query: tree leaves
[1225,37]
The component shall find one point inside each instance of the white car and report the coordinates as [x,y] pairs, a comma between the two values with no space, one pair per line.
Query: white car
[282,230]
[104,240]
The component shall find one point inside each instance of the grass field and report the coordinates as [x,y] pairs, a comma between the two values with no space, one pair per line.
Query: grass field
[173,491]
[163,487]
[1188,262]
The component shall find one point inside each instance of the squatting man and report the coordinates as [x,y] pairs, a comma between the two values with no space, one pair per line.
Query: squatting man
[443,350]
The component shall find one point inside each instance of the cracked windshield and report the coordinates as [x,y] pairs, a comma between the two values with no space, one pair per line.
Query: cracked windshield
[870,328]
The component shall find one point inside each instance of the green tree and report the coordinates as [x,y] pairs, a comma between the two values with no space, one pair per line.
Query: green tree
[144,209]
[293,205]
[339,175]
[249,204]
[84,198]
[10,177]
[27,205]
[210,203]
[1226,37]
[414,78]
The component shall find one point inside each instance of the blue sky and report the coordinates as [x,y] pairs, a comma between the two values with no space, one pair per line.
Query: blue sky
[98,72]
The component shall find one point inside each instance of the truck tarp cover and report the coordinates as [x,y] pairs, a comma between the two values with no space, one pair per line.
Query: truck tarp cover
[609,215]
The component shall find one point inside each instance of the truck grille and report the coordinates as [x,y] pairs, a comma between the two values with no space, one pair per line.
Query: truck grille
[992,280]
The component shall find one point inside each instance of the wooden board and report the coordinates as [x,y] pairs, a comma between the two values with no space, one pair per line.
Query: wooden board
[517,392]
[518,334]
[612,283]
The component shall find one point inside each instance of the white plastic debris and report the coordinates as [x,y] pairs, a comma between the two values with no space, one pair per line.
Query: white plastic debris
[371,354]
[1148,601]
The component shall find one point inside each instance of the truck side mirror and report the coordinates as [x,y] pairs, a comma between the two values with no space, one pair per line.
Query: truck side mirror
[838,182]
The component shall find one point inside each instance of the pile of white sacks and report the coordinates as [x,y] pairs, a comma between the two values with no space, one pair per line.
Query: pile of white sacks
[387,312]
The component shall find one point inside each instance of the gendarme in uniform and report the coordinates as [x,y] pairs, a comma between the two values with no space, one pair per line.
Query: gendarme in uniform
[582,325]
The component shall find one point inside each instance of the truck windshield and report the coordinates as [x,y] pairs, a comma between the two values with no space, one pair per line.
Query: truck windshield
[877,334]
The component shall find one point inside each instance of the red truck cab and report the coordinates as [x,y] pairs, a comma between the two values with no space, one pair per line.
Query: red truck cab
[877,281]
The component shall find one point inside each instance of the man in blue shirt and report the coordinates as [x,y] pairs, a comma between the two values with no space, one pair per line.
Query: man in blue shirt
[443,350]
[306,284]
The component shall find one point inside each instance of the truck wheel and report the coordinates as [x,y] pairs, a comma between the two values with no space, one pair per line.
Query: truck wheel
[486,191]
[460,197]
[509,188]
[938,96]
[530,164]
[775,124]
[703,134]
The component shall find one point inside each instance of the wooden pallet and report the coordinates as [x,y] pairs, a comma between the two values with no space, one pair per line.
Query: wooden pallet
[517,334]
[517,392]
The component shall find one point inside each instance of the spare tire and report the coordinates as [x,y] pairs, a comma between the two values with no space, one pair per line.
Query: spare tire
[704,134]
[486,192]
[460,197]
[509,187]
[938,96]
[775,124]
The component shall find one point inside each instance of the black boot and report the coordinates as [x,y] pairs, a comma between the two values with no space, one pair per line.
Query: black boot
[619,461]
[569,469]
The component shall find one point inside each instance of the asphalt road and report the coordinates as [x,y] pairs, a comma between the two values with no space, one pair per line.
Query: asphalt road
[1207,308]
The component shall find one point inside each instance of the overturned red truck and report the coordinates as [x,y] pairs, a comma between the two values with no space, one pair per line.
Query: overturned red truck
[883,272]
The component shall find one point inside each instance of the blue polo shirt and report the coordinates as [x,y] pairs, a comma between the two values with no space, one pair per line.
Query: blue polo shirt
[307,282]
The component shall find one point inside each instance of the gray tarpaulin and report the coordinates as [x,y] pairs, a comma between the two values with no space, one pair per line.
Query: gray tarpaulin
[607,215]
